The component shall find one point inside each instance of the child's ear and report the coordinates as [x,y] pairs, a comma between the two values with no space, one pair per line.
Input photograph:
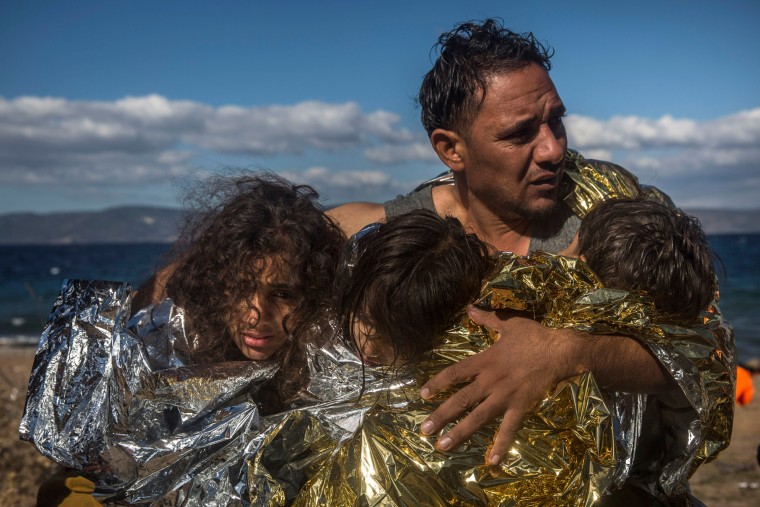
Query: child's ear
[573,249]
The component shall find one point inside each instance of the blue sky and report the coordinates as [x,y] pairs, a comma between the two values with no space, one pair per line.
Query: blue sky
[112,103]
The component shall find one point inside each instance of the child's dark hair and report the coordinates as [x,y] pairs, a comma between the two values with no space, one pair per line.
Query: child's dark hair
[238,223]
[642,245]
[411,280]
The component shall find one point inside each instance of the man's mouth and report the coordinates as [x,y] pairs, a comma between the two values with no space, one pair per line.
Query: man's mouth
[548,180]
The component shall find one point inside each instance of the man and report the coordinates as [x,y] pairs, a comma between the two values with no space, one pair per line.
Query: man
[494,118]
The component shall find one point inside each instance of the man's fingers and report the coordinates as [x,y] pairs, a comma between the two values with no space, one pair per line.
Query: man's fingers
[482,317]
[505,437]
[458,403]
[479,417]
[450,376]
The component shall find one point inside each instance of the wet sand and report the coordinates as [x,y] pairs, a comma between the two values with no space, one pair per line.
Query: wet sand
[727,481]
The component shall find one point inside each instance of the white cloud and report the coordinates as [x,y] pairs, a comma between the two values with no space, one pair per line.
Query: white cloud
[741,129]
[396,154]
[291,129]
[282,129]
[341,186]
[381,123]
[152,139]
[699,163]
[140,139]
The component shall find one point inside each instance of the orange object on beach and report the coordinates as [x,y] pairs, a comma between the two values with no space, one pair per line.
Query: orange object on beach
[744,388]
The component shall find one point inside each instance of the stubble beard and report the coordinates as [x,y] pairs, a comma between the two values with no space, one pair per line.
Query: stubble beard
[539,212]
[508,209]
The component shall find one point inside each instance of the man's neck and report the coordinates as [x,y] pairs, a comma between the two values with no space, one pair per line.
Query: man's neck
[511,234]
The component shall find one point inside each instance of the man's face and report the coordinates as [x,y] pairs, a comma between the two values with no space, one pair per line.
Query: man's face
[515,145]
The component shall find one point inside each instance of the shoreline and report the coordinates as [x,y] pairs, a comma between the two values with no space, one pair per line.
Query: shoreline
[727,481]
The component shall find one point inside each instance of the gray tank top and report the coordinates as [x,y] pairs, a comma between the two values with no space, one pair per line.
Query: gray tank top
[551,235]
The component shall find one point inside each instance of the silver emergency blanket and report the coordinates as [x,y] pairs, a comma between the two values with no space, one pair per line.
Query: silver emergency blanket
[119,399]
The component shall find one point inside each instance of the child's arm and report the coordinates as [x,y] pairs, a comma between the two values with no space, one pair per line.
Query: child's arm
[153,289]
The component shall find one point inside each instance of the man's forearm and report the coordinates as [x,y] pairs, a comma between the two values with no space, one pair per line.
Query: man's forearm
[619,363]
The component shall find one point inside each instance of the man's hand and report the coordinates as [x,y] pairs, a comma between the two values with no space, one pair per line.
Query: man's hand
[522,367]
[508,379]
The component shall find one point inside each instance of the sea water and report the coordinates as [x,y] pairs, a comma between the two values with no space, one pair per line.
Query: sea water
[31,278]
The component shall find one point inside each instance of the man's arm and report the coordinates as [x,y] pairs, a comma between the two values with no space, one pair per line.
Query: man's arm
[526,363]
[353,216]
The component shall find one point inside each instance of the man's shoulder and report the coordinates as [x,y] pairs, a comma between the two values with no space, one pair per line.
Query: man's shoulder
[420,198]
[352,216]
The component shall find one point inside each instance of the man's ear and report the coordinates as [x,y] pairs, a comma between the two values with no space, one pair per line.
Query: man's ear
[450,147]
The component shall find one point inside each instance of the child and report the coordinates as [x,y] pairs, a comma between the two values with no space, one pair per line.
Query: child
[253,273]
[252,276]
[641,245]
[410,280]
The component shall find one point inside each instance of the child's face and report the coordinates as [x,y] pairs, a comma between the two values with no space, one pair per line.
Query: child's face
[374,350]
[258,331]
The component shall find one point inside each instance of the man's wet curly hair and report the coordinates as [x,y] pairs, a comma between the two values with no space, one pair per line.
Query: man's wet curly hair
[237,223]
[453,90]
[643,245]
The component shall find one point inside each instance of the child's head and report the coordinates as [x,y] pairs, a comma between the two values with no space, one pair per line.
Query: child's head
[642,245]
[257,267]
[410,280]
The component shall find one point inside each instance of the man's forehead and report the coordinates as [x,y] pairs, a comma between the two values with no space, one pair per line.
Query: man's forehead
[536,112]
[522,94]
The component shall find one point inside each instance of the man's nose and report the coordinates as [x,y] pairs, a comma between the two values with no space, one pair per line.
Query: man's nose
[551,147]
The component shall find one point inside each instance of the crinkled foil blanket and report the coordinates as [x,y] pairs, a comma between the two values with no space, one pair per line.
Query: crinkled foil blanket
[119,399]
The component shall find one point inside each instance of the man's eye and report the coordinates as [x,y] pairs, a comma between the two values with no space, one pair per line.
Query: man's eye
[557,120]
[283,294]
[523,135]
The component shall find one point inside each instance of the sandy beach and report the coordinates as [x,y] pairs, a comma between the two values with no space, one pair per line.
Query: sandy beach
[23,468]
[728,481]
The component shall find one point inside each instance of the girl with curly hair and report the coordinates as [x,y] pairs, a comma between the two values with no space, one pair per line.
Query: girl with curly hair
[253,273]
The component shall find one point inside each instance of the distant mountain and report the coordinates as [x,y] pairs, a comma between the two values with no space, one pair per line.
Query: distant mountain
[139,224]
[128,224]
